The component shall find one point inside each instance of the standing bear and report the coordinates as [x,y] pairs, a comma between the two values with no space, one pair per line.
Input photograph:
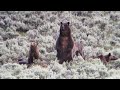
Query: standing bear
[33,54]
[64,44]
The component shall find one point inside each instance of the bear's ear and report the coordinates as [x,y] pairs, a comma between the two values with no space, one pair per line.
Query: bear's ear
[68,23]
[109,54]
[61,23]
[87,34]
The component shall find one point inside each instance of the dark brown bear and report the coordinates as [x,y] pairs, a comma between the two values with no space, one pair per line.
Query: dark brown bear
[64,44]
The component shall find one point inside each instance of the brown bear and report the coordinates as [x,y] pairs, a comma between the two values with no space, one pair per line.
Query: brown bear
[64,44]
[33,53]
[107,58]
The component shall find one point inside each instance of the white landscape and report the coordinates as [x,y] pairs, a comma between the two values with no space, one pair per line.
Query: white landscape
[103,28]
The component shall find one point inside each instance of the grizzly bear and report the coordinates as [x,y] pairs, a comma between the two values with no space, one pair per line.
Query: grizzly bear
[107,58]
[64,44]
[33,53]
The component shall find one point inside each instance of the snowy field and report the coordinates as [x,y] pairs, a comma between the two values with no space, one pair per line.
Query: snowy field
[17,28]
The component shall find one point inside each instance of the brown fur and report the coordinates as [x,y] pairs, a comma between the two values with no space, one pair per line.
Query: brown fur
[64,44]
[107,58]
[33,53]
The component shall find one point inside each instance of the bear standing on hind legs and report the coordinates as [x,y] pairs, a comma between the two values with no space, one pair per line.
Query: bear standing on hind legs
[64,44]
[33,53]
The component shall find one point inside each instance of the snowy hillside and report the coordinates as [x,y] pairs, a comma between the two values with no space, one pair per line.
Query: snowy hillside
[18,28]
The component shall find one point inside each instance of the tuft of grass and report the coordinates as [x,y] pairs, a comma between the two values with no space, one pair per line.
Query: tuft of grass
[22,33]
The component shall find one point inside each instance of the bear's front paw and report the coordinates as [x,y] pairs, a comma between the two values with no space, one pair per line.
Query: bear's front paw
[61,62]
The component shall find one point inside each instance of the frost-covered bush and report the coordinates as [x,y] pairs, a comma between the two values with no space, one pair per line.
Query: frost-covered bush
[1,39]
[116,52]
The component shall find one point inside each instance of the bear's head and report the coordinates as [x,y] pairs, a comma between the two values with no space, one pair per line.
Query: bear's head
[112,57]
[65,29]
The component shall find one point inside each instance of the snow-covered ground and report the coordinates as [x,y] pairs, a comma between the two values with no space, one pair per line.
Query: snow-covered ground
[17,28]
